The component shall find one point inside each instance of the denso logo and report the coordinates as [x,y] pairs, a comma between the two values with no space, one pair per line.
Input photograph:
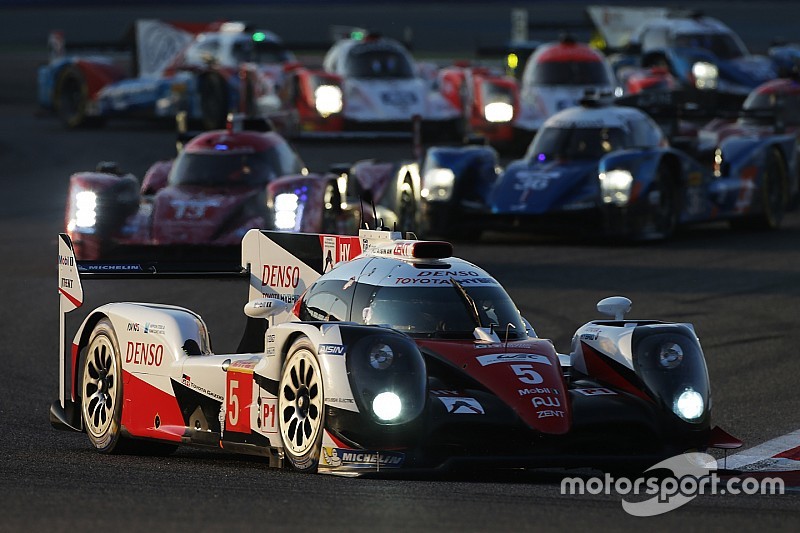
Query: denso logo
[280,276]
[142,353]
[331,349]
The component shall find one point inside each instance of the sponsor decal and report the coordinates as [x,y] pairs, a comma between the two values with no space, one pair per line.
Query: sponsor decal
[444,392]
[283,276]
[537,390]
[66,283]
[588,336]
[332,349]
[143,353]
[547,401]
[462,405]
[109,268]
[442,277]
[244,365]
[193,209]
[340,400]
[288,298]
[597,391]
[65,260]
[485,360]
[133,326]
[261,304]
[155,329]
[361,458]
[550,414]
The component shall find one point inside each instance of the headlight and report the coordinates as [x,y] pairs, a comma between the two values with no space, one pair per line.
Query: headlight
[670,355]
[286,211]
[381,356]
[328,100]
[705,75]
[387,406]
[437,184]
[689,405]
[498,112]
[85,211]
[615,186]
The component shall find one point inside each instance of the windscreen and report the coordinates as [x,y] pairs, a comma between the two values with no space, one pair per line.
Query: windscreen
[262,52]
[443,311]
[722,45]
[570,73]
[576,143]
[377,63]
[226,168]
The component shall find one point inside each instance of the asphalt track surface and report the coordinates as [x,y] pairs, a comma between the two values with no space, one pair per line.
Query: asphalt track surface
[741,291]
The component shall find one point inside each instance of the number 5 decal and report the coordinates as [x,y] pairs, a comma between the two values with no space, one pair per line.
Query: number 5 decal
[526,374]
[238,401]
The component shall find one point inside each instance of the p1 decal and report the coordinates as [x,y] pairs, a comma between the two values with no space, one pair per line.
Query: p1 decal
[268,418]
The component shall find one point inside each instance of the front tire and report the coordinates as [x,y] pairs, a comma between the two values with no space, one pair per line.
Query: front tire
[101,389]
[301,407]
[71,98]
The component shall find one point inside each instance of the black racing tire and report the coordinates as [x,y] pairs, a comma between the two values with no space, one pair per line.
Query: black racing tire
[301,407]
[665,214]
[331,209]
[773,197]
[407,207]
[213,102]
[100,388]
[71,98]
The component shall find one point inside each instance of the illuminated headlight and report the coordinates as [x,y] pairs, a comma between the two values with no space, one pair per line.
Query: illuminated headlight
[705,75]
[387,406]
[437,184]
[615,186]
[286,205]
[689,405]
[670,355]
[381,356]
[498,112]
[328,100]
[85,216]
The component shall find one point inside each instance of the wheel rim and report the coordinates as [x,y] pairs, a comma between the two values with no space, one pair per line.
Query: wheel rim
[300,403]
[99,386]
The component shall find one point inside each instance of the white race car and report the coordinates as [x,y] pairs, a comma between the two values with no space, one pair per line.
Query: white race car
[371,353]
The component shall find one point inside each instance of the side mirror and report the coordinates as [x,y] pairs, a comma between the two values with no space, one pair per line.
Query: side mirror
[615,306]
[265,307]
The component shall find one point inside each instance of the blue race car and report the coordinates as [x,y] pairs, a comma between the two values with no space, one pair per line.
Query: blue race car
[610,169]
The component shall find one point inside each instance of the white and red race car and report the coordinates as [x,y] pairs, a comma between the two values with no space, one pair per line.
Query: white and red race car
[556,77]
[372,84]
[371,353]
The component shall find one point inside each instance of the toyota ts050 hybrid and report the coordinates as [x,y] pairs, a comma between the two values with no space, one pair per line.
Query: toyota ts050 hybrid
[379,352]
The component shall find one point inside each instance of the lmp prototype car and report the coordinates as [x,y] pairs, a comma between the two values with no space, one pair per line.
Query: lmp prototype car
[368,83]
[373,353]
[223,183]
[700,52]
[205,70]
[556,77]
[611,169]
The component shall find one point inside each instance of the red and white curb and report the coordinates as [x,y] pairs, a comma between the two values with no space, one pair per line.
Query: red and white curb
[778,457]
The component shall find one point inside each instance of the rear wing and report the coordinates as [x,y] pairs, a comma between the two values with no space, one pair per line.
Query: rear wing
[71,272]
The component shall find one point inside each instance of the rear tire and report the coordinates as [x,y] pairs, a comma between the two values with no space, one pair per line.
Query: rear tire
[213,102]
[101,397]
[101,389]
[301,407]
[773,197]
[71,98]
